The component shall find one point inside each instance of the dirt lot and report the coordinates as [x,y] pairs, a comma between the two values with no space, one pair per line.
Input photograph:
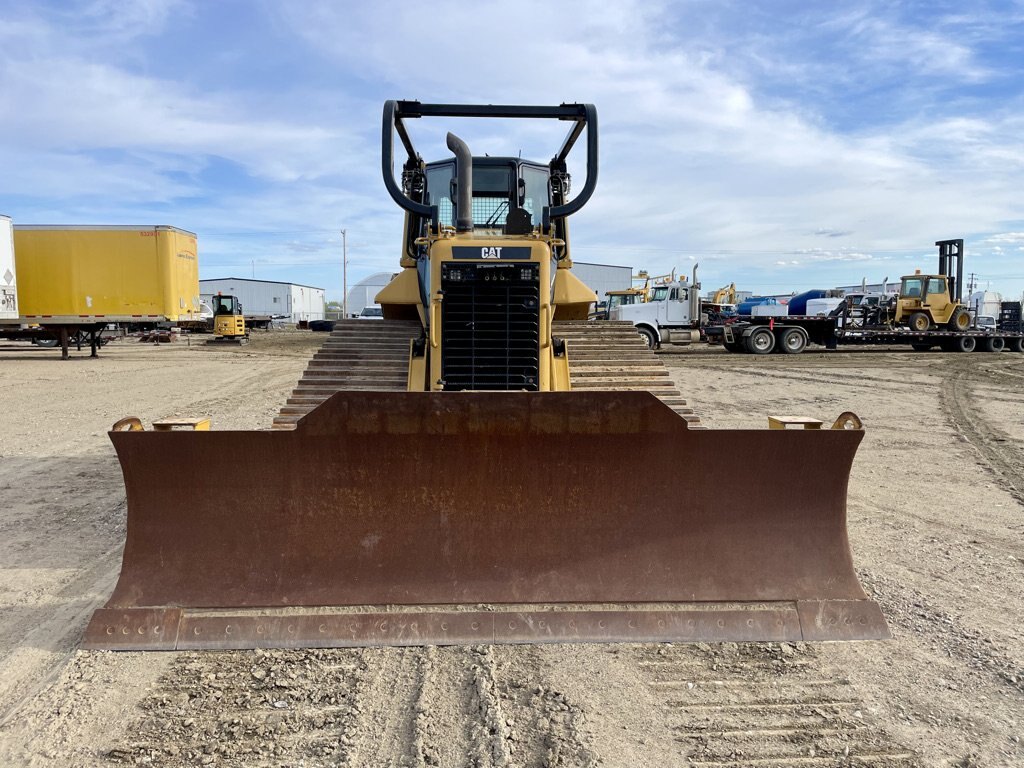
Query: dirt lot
[936,526]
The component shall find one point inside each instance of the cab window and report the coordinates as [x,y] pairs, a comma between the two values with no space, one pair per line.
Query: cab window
[912,287]
[936,285]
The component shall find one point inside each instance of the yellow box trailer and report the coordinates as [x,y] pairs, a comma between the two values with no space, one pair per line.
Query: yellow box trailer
[138,274]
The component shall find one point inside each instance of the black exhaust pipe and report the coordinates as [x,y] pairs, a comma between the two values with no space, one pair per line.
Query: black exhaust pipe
[464,183]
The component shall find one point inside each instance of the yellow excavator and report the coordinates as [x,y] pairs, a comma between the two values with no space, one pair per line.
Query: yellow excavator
[484,465]
[228,321]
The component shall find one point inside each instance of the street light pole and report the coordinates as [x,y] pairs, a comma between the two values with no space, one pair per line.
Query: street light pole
[344,275]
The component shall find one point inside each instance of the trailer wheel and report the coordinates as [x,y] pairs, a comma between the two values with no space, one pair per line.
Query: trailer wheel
[1016,344]
[960,320]
[919,321]
[793,341]
[922,347]
[993,344]
[648,336]
[761,341]
[962,344]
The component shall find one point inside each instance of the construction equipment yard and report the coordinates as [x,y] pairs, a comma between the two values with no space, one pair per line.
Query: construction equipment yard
[935,525]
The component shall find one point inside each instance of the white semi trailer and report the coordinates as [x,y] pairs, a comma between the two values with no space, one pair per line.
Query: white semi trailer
[8,279]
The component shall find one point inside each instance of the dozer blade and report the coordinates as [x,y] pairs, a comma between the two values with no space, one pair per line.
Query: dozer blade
[455,518]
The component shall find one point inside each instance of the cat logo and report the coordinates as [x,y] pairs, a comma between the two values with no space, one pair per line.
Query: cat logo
[490,252]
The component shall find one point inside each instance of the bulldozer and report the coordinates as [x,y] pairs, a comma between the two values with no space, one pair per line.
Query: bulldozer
[484,465]
[927,302]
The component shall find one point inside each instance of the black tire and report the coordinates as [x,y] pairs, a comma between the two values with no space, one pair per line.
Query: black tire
[919,321]
[1015,344]
[993,344]
[792,341]
[960,320]
[321,326]
[922,347]
[963,344]
[47,342]
[761,341]
[648,336]
[734,346]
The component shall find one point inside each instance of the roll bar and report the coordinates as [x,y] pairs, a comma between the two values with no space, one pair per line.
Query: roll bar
[396,112]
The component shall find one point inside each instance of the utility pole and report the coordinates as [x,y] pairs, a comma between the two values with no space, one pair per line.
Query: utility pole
[254,269]
[344,275]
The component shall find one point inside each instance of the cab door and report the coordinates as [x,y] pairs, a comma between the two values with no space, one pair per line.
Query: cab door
[677,306]
[937,299]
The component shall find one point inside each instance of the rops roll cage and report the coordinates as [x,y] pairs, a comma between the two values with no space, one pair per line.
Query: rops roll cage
[413,171]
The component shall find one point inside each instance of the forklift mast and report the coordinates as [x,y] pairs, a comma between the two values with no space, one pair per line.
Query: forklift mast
[948,251]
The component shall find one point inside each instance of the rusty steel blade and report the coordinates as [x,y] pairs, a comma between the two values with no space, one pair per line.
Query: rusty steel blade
[549,508]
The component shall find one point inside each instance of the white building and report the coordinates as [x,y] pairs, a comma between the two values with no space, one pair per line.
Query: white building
[603,277]
[362,293]
[290,301]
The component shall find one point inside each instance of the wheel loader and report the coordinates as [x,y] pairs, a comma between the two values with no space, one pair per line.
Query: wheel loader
[484,465]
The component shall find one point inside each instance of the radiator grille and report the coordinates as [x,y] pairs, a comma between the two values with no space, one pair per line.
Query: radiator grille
[490,326]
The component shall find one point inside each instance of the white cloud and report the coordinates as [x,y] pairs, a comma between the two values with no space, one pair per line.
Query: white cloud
[697,156]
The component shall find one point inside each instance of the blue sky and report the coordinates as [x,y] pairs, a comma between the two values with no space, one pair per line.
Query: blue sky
[783,145]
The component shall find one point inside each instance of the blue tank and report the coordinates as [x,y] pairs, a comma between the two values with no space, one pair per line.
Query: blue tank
[798,304]
[744,307]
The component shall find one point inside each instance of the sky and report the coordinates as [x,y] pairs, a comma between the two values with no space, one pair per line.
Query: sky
[780,145]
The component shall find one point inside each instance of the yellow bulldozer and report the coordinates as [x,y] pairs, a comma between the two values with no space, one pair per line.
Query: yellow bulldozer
[484,465]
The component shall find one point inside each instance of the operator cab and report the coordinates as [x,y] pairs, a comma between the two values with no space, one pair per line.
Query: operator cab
[924,287]
[509,194]
[226,305]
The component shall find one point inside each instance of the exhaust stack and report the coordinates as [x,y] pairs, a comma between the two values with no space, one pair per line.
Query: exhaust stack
[464,183]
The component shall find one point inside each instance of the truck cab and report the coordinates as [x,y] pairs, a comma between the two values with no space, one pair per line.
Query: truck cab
[672,314]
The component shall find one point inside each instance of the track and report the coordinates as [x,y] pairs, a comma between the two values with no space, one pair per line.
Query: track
[358,355]
[764,705]
[373,355]
[996,452]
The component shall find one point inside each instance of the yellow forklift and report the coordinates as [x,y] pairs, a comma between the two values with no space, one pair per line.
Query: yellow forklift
[927,302]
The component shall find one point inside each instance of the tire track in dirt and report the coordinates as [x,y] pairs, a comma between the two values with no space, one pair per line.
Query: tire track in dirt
[778,374]
[774,705]
[384,731]
[996,453]
[547,727]
[957,530]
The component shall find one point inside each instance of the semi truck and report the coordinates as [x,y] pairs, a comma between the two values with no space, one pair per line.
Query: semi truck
[671,315]
[77,280]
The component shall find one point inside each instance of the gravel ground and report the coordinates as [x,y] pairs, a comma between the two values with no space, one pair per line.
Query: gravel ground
[935,524]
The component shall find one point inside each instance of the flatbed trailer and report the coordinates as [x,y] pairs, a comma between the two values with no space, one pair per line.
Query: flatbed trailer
[792,334]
